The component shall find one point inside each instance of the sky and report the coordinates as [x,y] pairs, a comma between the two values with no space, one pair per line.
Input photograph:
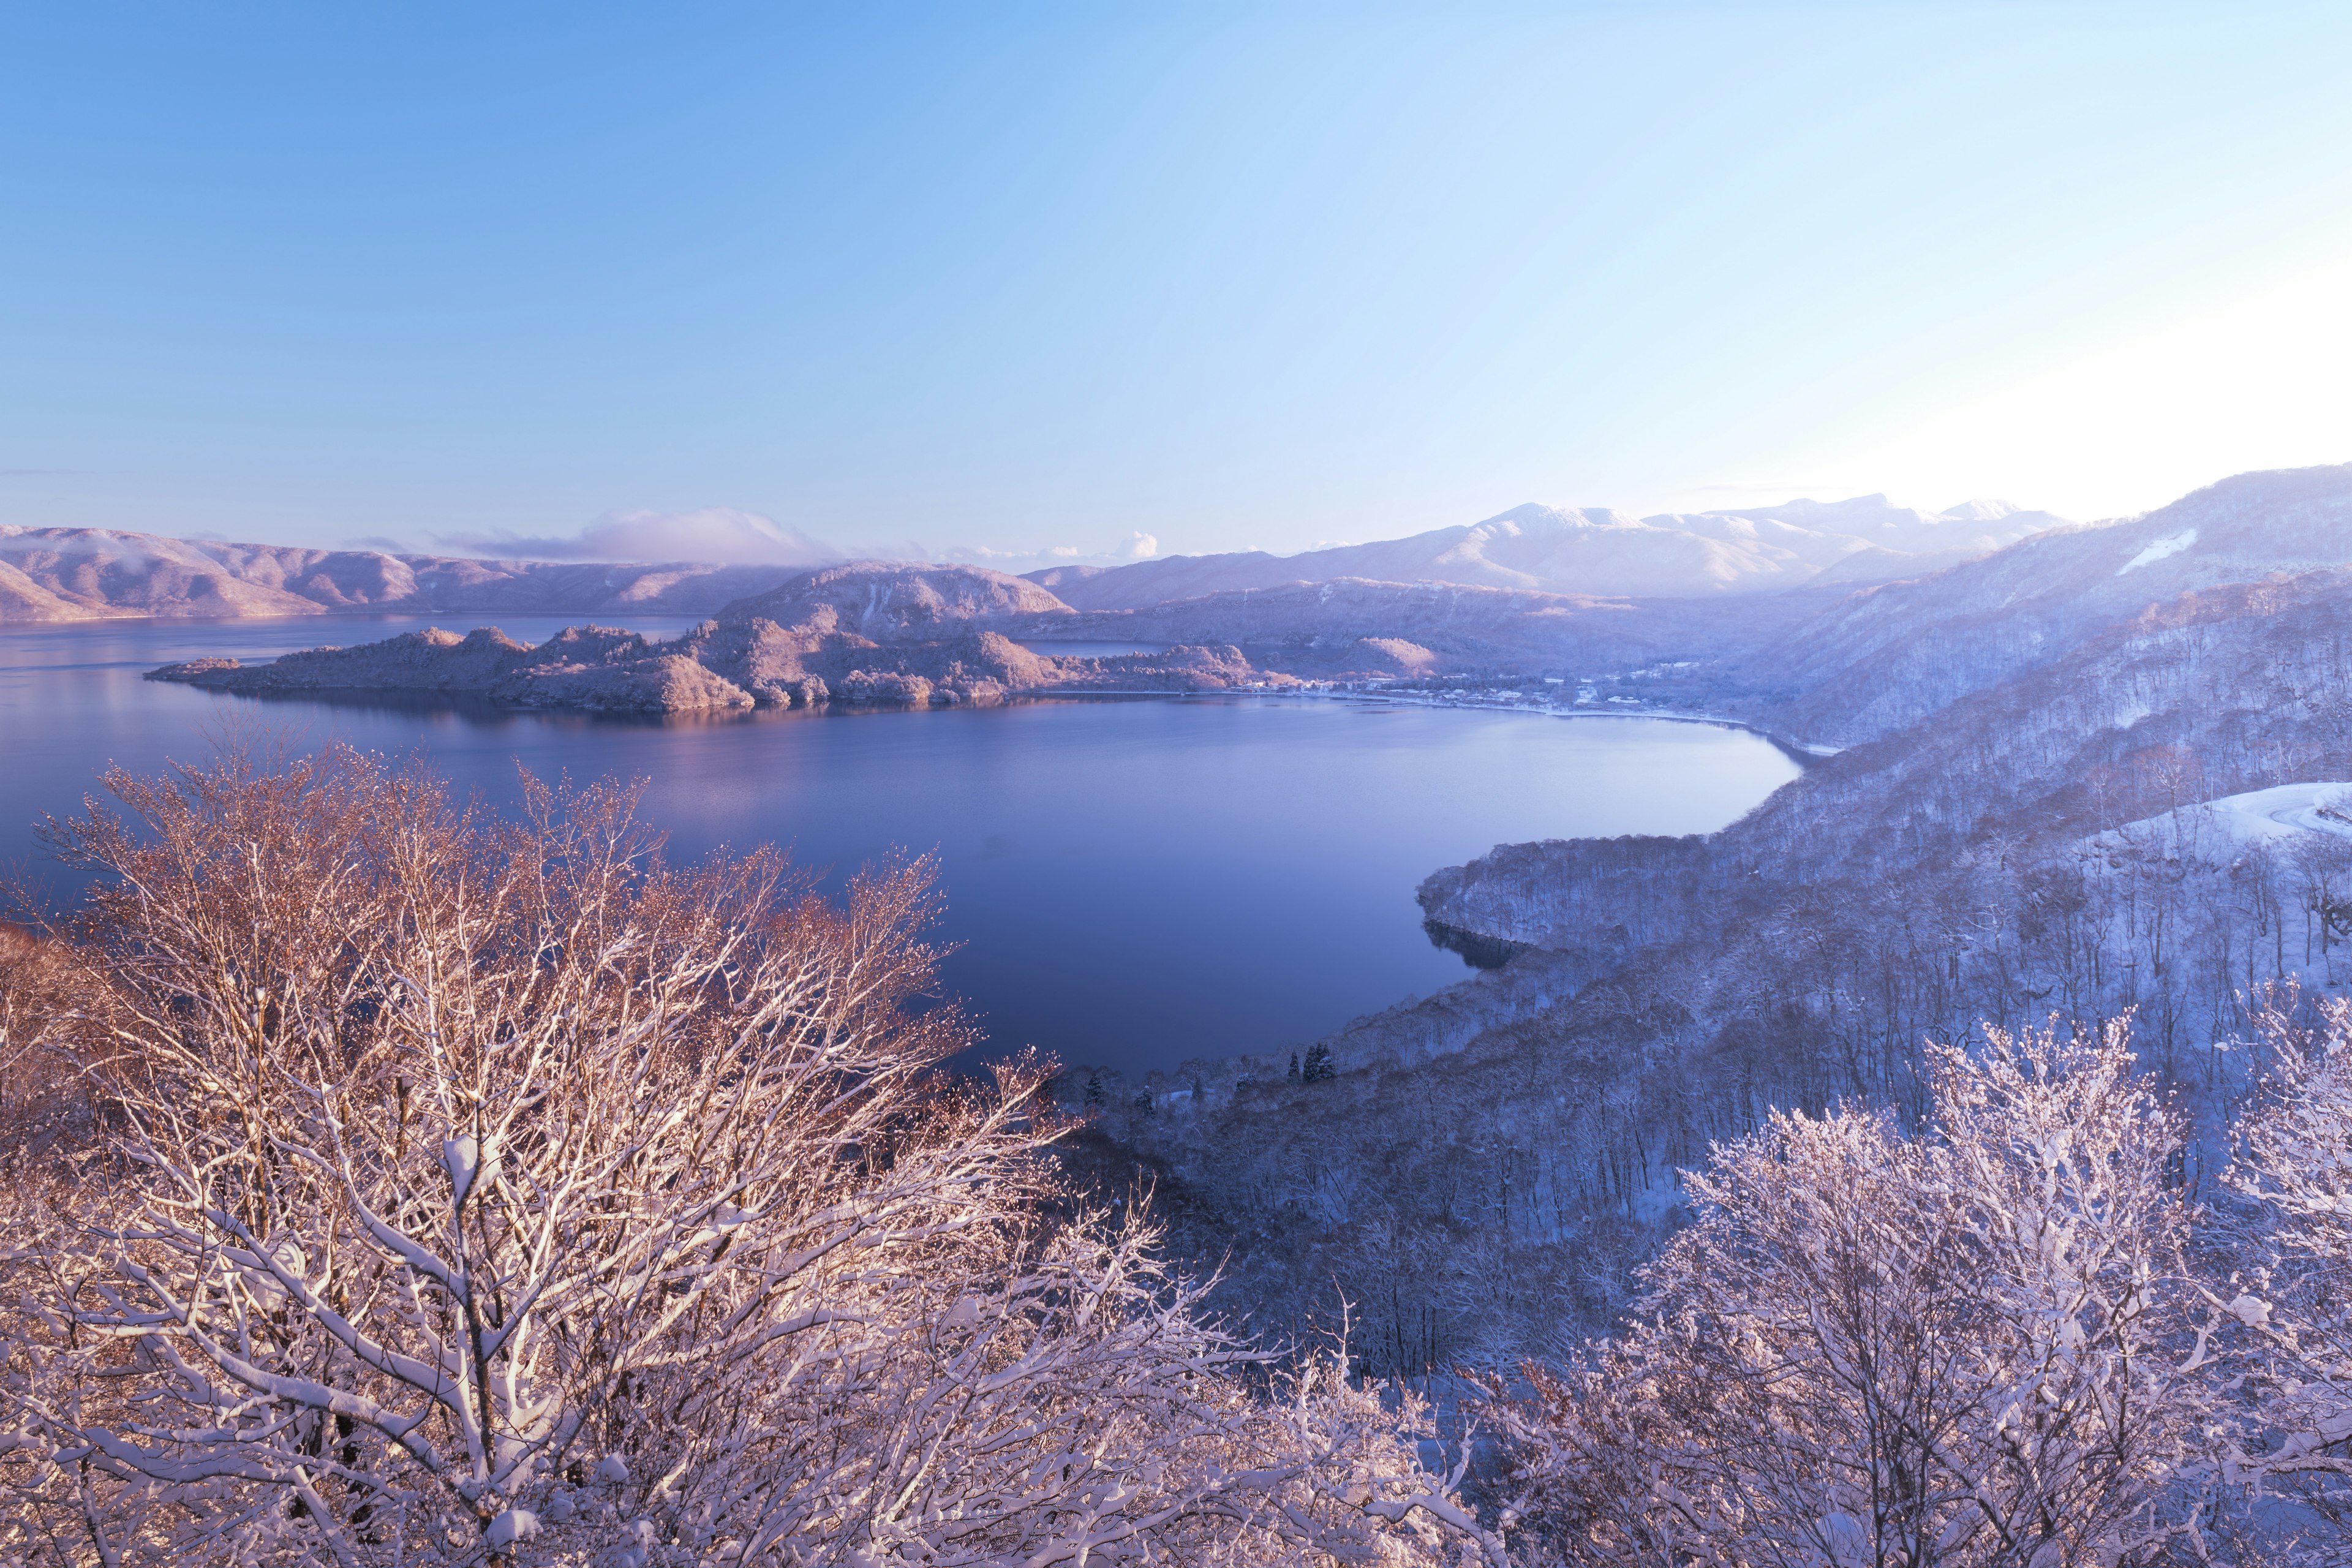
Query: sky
[1019,283]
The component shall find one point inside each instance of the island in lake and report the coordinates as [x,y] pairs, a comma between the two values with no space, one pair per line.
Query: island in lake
[884,636]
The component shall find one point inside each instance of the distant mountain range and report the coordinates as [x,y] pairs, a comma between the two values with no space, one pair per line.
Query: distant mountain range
[1601,552]
[76,574]
[89,573]
[1884,615]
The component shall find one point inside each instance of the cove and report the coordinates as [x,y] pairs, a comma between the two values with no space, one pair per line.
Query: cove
[1129,881]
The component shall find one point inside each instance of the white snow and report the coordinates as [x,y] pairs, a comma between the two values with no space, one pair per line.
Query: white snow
[2283,810]
[515,1524]
[2170,544]
[461,1157]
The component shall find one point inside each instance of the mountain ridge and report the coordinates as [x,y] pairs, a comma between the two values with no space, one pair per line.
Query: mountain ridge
[87,574]
[1598,552]
[79,573]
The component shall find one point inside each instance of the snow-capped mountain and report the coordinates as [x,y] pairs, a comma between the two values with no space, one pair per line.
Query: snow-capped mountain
[1600,552]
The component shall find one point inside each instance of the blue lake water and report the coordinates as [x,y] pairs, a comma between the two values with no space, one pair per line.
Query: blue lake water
[1132,882]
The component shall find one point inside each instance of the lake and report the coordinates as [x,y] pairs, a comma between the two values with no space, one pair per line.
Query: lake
[1132,882]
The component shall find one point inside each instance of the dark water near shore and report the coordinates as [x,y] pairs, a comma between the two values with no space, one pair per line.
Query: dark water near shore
[1133,881]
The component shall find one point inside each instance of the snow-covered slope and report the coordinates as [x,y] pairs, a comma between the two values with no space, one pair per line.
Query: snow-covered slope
[1881,658]
[2282,814]
[1599,551]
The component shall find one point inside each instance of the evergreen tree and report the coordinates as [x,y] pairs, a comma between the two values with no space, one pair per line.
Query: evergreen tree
[1292,1077]
[1318,1065]
[1093,1088]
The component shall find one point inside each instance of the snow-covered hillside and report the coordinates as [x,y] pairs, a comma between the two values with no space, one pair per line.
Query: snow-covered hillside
[1884,658]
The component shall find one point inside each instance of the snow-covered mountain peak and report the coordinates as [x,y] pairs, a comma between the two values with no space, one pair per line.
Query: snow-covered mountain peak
[1981,510]
[1602,552]
[1534,519]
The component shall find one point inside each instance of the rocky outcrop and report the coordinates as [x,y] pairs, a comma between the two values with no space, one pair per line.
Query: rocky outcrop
[593,668]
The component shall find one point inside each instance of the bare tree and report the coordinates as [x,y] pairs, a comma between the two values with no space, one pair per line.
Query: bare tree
[466,1183]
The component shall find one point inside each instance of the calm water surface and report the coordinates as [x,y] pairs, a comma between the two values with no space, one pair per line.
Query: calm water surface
[1132,882]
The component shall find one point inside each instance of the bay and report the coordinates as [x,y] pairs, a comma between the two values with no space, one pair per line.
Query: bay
[1129,882]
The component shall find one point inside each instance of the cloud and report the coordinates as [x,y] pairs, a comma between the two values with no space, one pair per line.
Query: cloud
[1140,546]
[711,535]
[381,541]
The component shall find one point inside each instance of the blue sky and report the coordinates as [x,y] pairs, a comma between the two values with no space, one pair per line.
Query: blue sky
[1014,278]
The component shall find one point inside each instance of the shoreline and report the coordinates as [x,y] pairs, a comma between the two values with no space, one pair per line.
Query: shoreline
[1804,753]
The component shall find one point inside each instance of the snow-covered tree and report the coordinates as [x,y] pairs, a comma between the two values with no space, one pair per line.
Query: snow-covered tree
[2296,1291]
[468,1183]
[1976,1346]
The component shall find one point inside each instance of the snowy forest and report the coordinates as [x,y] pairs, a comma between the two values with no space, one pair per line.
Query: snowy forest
[1950,1163]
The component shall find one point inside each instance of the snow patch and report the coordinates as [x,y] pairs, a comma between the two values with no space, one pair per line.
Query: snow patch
[2170,544]
[2282,811]
[462,1158]
[515,1524]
